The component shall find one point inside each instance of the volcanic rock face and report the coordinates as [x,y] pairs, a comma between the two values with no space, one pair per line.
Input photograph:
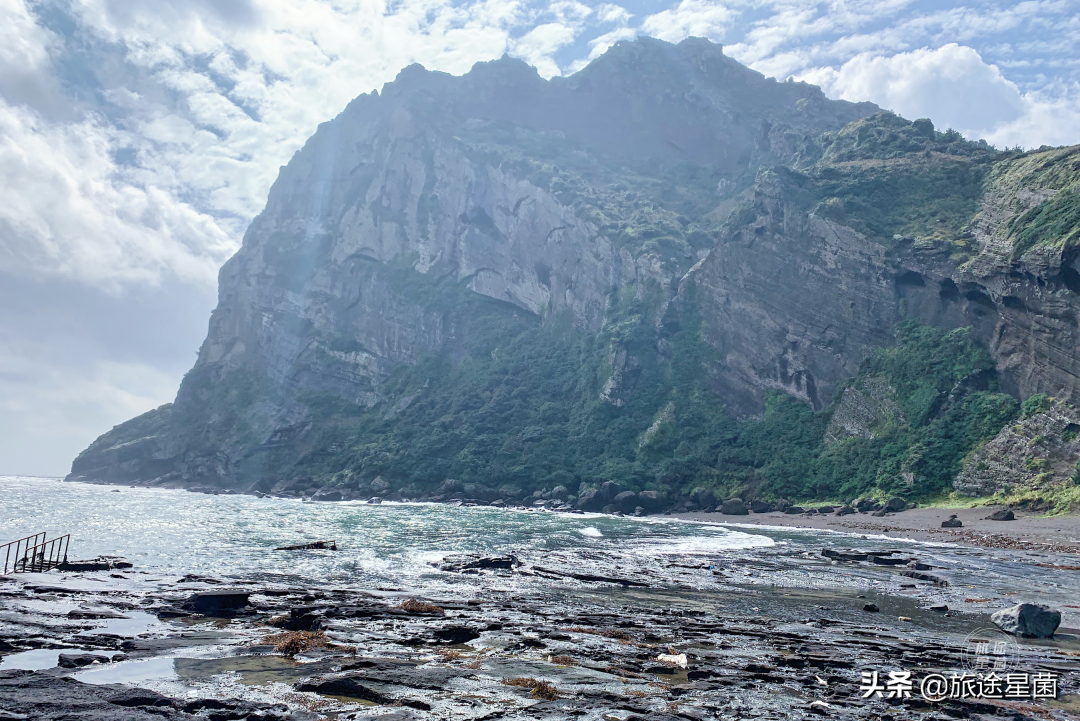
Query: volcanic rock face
[448,218]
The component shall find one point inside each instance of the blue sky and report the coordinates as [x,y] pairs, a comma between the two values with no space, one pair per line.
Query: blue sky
[138,139]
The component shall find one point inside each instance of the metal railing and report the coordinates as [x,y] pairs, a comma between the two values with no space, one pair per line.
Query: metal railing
[34,554]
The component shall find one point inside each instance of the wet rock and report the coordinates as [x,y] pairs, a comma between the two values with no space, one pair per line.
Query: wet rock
[224,603]
[43,697]
[939,608]
[895,504]
[78,660]
[734,507]
[328,494]
[1029,620]
[952,522]
[1002,514]
[871,608]
[313,546]
[758,506]
[456,634]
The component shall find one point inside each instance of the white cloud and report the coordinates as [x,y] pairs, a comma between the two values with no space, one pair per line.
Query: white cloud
[68,211]
[1046,120]
[696,18]
[952,85]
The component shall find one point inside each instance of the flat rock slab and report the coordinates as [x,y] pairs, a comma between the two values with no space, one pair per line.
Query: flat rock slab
[224,603]
[42,697]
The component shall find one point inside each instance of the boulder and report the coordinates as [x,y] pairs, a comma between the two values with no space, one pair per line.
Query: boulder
[791,510]
[1029,620]
[379,486]
[559,492]
[895,504]
[590,500]
[78,660]
[952,522]
[881,513]
[704,497]
[450,485]
[865,504]
[734,507]
[1002,514]
[826,509]
[845,511]
[328,494]
[224,603]
[758,506]
[651,501]
[871,608]
[625,501]
[608,491]
[782,505]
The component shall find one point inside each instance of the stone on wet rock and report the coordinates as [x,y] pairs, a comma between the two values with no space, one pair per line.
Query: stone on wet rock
[223,603]
[1002,514]
[78,660]
[952,522]
[734,507]
[1029,620]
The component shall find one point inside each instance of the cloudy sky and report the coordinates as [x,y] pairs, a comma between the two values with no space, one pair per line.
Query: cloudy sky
[139,137]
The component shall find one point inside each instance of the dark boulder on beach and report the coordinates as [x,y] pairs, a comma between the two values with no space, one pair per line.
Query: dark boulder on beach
[1029,620]
[734,507]
[1002,514]
[952,522]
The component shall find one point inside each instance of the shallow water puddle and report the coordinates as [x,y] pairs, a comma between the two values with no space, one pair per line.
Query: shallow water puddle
[35,660]
[136,623]
[154,669]
[253,670]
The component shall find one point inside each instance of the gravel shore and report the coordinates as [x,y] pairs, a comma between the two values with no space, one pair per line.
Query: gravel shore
[1029,531]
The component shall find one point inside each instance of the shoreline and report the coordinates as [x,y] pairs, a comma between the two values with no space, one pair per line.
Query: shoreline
[1029,531]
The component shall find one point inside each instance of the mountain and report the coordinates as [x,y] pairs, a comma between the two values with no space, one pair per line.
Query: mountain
[665,270]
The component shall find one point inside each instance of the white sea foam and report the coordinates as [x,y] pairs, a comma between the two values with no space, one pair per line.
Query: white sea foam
[590,532]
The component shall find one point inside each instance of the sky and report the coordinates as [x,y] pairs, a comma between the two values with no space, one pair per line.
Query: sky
[138,139]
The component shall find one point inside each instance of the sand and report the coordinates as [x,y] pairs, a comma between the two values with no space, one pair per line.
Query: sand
[1031,531]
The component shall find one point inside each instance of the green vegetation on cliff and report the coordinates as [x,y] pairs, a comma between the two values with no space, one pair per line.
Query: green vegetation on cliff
[532,406]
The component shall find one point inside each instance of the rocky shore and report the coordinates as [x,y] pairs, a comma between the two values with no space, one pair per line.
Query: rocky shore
[783,632]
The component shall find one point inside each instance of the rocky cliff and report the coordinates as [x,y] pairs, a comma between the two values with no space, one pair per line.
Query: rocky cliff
[532,284]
